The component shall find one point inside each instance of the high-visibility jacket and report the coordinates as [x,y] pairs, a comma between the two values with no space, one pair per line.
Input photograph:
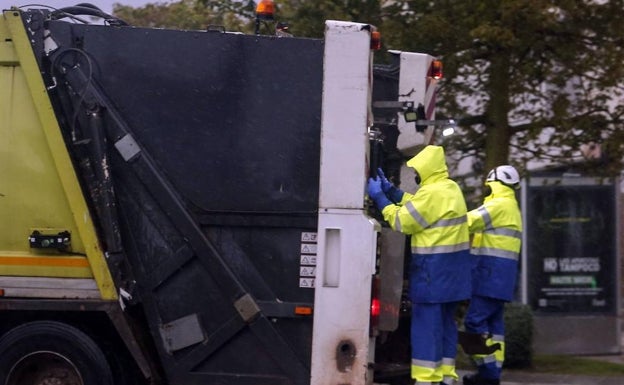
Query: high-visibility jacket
[497,229]
[435,217]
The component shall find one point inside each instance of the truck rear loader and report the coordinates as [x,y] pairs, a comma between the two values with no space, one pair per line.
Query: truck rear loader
[189,207]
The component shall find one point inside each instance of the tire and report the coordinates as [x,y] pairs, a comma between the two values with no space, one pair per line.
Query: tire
[48,352]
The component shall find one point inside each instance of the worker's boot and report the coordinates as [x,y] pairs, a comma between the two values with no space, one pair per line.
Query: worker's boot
[476,343]
[475,379]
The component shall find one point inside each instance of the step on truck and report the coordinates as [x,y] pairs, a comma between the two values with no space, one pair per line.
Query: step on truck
[189,207]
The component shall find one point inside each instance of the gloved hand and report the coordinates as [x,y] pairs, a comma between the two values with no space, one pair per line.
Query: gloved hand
[394,193]
[374,187]
[385,183]
[376,193]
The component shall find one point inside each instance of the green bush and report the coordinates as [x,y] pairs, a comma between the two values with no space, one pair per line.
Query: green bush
[518,336]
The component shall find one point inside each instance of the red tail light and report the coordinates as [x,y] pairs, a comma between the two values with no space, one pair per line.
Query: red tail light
[375,307]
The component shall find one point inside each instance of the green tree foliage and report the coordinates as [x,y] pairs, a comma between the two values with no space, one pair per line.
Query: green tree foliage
[307,18]
[529,78]
[189,15]
[526,79]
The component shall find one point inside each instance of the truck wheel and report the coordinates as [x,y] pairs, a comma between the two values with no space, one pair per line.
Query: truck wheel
[51,353]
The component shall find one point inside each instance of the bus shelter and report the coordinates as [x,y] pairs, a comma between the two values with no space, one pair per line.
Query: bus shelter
[570,262]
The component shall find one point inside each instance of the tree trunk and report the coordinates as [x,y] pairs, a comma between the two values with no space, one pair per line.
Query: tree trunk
[497,127]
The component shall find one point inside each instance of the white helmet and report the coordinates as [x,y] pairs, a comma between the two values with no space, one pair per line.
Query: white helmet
[505,174]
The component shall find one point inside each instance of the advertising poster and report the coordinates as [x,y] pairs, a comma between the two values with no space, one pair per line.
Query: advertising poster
[570,245]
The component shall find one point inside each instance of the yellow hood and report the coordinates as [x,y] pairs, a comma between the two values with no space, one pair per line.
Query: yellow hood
[430,163]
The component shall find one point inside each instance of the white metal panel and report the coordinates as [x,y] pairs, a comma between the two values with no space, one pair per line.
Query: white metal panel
[415,85]
[45,287]
[345,263]
[345,266]
[346,99]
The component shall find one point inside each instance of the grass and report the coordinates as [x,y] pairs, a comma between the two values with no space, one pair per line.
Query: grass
[575,365]
[560,364]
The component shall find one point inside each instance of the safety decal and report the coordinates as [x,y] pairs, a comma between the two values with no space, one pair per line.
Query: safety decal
[307,260]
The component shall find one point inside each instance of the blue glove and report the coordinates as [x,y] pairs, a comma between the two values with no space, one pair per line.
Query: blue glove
[376,193]
[385,183]
[394,193]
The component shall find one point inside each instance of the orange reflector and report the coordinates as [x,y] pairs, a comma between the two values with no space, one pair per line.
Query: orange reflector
[375,43]
[435,71]
[303,310]
[265,9]
[1,292]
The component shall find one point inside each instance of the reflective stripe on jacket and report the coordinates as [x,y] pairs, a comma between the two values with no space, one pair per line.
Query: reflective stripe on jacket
[497,229]
[435,217]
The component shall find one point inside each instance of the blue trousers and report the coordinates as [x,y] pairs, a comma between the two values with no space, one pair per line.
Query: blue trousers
[434,342]
[485,315]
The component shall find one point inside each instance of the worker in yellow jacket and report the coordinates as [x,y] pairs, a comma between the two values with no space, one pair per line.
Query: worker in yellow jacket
[439,272]
[497,235]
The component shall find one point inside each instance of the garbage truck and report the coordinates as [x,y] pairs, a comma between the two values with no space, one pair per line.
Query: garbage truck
[189,207]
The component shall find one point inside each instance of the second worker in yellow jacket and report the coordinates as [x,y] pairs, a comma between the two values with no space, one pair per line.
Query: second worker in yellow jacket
[497,235]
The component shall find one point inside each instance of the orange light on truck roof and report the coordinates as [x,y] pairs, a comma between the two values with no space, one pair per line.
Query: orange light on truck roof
[375,40]
[265,10]
[435,71]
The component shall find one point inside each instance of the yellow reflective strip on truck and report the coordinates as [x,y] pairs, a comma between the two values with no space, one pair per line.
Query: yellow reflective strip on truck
[60,156]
